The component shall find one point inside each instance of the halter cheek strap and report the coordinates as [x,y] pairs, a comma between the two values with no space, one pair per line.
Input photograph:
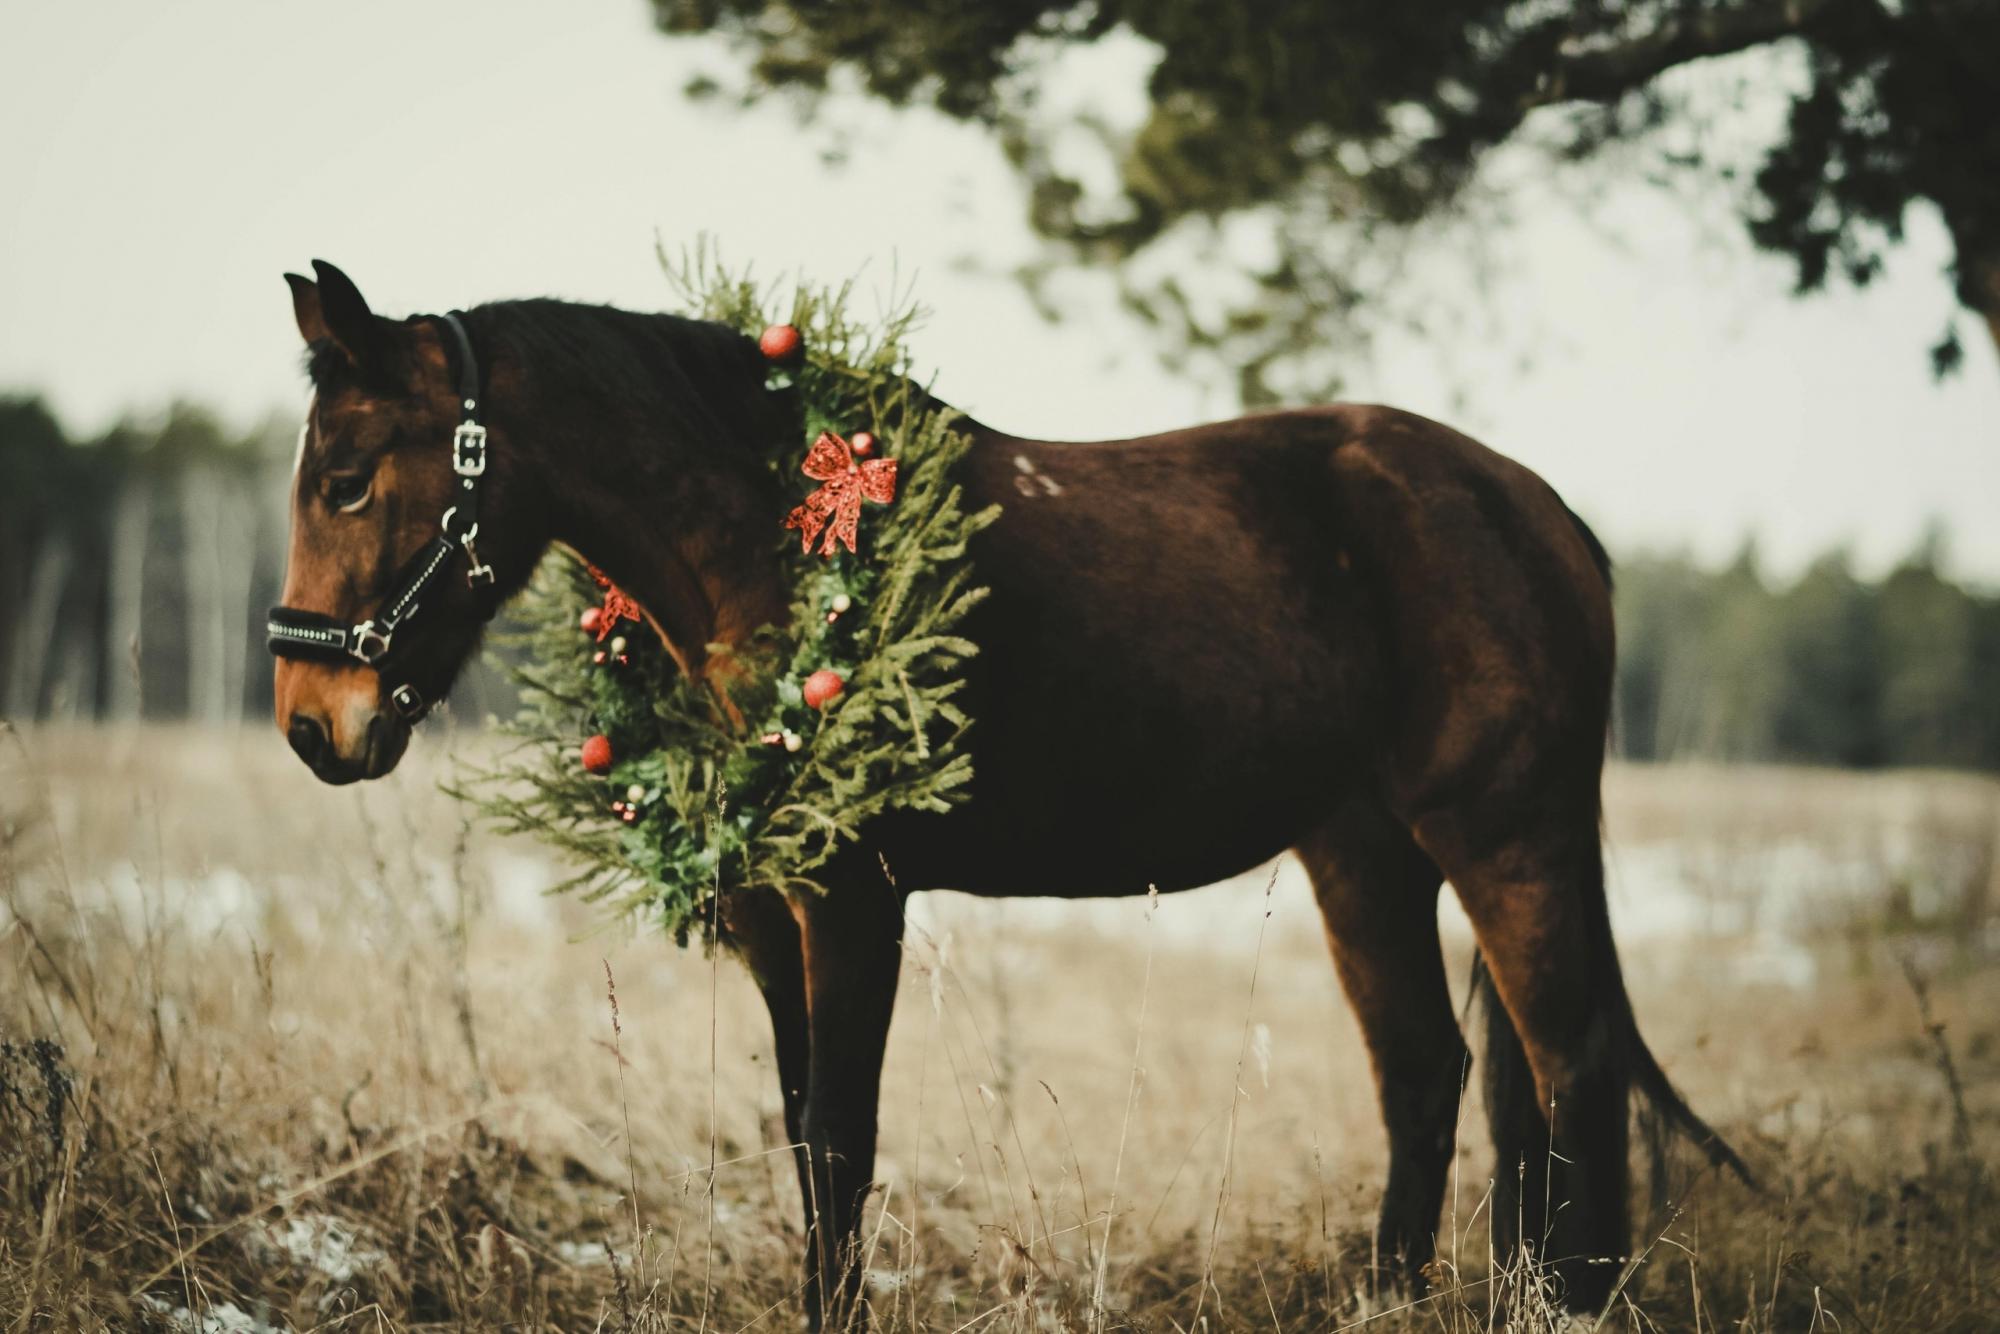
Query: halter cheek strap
[292,632]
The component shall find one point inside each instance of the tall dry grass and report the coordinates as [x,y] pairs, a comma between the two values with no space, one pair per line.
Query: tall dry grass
[288,1057]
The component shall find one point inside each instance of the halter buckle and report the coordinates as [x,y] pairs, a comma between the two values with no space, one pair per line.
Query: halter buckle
[477,573]
[409,704]
[468,450]
[368,643]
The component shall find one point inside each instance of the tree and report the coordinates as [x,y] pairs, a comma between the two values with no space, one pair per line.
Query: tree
[1928,640]
[1344,125]
[1829,709]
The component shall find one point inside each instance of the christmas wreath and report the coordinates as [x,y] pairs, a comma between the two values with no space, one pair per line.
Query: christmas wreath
[639,773]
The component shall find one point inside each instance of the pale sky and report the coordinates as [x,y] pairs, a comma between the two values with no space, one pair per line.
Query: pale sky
[165,164]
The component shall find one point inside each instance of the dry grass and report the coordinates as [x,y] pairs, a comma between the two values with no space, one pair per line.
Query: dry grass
[288,1056]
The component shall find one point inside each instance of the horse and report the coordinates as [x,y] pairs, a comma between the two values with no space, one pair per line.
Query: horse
[1344,630]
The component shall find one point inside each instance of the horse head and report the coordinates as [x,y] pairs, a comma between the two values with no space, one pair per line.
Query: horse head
[403,537]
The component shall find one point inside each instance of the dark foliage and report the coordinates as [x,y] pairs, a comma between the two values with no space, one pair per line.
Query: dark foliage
[1346,122]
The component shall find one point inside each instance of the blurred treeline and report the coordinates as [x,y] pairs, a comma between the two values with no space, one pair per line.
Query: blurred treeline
[135,569]
[1826,668]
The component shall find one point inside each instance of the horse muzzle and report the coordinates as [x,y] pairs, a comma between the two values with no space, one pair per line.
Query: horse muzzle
[344,732]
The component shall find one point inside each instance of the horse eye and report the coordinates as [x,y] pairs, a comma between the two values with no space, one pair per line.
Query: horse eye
[348,492]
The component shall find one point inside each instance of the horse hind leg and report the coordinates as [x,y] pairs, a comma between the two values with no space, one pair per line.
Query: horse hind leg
[1558,1067]
[1522,1190]
[1377,894]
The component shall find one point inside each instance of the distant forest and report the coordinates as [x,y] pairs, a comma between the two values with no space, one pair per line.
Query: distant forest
[135,569]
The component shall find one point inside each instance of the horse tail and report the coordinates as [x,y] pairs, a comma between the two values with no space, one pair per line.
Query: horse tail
[1657,1106]
[1660,1109]
[1667,1112]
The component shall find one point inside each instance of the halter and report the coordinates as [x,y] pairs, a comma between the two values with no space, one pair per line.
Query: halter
[291,632]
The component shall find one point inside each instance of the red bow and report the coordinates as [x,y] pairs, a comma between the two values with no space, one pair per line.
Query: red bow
[836,506]
[618,605]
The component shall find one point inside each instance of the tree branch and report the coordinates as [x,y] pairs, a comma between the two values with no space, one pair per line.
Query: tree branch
[1605,73]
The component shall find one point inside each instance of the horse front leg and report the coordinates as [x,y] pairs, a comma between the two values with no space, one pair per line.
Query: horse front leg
[758,926]
[852,946]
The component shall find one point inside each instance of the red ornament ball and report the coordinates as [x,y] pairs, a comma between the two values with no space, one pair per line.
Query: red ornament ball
[597,754]
[592,618]
[862,443]
[822,686]
[781,342]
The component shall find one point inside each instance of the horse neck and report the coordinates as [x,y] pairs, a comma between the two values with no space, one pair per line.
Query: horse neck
[636,460]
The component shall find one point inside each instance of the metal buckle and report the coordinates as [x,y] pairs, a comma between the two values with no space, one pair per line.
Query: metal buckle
[476,574]
[409,704]
[468,449]
[368,643]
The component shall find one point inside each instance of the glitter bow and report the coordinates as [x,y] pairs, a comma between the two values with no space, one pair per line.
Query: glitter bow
[836,506]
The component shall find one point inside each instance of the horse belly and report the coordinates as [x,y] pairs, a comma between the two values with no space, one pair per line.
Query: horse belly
[1106,770]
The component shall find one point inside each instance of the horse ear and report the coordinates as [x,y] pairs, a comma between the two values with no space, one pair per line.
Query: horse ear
[305,308]
[348,321]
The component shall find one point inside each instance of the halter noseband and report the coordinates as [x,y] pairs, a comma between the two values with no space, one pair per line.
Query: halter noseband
[290,632]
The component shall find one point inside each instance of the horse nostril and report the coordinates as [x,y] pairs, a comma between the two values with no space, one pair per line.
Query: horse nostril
[308,738]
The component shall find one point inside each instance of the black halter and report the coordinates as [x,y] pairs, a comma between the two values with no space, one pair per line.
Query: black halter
[294,633]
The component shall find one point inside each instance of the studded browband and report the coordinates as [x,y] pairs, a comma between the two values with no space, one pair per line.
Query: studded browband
[291,632]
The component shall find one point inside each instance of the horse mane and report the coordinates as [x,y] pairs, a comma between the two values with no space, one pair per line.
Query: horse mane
[688,376]
[694,379]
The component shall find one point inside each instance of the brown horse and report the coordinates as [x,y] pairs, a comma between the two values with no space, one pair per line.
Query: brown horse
[1347,631]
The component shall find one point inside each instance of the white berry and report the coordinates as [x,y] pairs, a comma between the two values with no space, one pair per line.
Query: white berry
[635,793]
[618,643]
[793,741]
[841,602]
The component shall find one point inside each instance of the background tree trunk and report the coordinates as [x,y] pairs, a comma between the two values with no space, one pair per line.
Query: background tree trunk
[208,700]
[126,594]
[35,635]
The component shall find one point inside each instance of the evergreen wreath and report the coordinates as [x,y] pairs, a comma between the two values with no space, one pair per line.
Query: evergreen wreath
[638,773]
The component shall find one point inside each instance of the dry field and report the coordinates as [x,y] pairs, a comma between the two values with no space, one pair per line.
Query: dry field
[286,1057]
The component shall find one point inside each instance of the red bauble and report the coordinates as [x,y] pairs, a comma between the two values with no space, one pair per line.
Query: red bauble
[592,618]
[781,343]
[597,754]
[822,686]
[862,443]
